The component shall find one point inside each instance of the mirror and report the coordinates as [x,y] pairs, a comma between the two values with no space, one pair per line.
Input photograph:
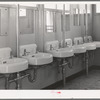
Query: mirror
[26,20]
[76,17]
[4,21]
[50,21]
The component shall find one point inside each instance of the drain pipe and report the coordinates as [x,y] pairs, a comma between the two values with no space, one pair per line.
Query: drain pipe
[63,66]
[32,78]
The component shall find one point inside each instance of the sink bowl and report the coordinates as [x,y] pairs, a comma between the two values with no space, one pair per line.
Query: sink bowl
[39,58]
[62,52]
[97,43]
[79,49]
[13,65]
[90,46]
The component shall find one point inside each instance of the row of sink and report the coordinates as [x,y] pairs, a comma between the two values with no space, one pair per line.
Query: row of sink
[30,55]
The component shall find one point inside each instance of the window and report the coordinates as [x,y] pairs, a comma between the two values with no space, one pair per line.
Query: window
[22,12]
[67,7]
[98,8]
[50,19]
[60,6]
[88,8]
[50,5]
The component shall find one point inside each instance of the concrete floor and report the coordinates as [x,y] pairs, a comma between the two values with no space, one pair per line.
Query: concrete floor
[83,82]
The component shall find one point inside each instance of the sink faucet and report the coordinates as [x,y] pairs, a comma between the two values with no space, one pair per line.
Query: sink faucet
[25,52]
[11,55]
[51,47]
[77,42]
[60,45]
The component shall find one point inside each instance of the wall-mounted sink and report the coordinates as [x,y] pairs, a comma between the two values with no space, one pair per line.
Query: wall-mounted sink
[97,43]
[39,58]
[62,53]
[34,57]
[89,39]
[90,46]
[11,65]
[79,49]
[53,48]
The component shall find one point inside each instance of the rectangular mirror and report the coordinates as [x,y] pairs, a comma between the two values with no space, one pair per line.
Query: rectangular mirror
[26,20]
[76,17]
[67,21]
[4,21]
[50,21]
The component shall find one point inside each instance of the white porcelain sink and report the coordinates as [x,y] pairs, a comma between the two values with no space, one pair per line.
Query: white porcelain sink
[78,46]
[62,53]
[90,46]
[33,57]
[97,43]
[79,49]
[39,58]
[58,52]
[13,65]
[89,39]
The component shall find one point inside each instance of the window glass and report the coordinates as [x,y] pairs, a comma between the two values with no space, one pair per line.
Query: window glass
[60,6]
[50,6]
[67,7]
[22,12]
[50,18]
[88,8]
[98,8]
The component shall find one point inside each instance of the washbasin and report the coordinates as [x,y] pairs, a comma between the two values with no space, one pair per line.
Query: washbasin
[78,46]
[34,57]
[79,49]
[53,48]
[39,58]
[97,43]
[90,46]
[88,40]
[13,65]
[62,52]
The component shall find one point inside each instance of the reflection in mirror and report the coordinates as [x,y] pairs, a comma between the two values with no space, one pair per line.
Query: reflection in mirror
[67,22]
[84,12]
[76,15]
[50,21]
[60,6]
[50,6]
[3,21]
[22,12]
[26,19]
[89,12]
[67,18]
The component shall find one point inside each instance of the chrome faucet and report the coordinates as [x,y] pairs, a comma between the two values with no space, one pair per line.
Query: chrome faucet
[25,52]
[11,55]
[60,45]
[51,47]
[67,44]
[78,42]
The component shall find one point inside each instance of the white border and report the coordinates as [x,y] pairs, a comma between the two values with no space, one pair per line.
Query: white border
[50,94]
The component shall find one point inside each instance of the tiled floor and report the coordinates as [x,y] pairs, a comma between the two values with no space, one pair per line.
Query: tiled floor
[83,82]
